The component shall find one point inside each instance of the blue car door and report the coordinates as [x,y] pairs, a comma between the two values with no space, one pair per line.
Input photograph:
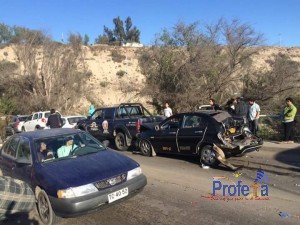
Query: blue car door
[8,156]
[23,161]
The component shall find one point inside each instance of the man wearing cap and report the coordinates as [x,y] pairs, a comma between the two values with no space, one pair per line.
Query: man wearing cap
[65,150]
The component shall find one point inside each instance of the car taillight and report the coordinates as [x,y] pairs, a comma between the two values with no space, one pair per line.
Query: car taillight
[138,126]
[17,123]
[43,120]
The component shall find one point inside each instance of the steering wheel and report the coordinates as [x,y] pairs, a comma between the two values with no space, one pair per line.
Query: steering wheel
[73,151]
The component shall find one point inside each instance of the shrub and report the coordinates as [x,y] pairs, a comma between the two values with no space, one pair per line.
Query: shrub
[121,73]
[117,57]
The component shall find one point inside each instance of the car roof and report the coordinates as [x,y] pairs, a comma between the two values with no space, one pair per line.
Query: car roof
[218,115]
[72,116]
[48,133]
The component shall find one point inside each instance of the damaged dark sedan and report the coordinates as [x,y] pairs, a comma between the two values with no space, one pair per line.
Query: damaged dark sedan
[212,136]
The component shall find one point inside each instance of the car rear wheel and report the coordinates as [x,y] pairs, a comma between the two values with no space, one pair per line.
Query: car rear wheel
[45,210]
[23,129]
[208,156]
[120,142]
[145,147]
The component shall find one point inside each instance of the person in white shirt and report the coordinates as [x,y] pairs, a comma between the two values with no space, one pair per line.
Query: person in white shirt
[65,150]
[167,111]
[253,114]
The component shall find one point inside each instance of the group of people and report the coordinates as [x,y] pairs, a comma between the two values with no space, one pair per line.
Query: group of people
[250,112]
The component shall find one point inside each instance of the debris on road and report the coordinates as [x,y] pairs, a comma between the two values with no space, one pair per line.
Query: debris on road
[284,215]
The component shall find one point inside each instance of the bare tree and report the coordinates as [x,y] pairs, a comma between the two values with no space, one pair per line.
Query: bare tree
[271,86]
[52,75]
[189,64]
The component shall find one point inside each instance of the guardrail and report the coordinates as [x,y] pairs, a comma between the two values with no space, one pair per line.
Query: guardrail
[271,128]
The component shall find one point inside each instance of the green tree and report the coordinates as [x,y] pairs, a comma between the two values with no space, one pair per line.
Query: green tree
[5,33]
[119,34]
[86,40]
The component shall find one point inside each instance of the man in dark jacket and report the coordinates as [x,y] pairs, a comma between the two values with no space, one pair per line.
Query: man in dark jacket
[54,120]
[242,108]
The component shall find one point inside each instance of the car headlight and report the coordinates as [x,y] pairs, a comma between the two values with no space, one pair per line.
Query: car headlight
[76,191]
[134,173]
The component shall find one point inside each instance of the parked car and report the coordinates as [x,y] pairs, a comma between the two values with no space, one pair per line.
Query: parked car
[120,123]
[15,124]
[90,177]
[36,121]
[195,133]
[71,121]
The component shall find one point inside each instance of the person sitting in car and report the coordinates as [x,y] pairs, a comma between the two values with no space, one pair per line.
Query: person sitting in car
[65,150]
[44,153]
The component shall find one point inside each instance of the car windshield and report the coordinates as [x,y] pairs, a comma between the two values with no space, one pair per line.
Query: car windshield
[67,146]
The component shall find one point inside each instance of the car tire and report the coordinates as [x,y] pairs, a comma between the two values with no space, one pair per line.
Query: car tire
[23,129]
[120,142]
[208,156]
[45,210]
[145,148]
[37,127]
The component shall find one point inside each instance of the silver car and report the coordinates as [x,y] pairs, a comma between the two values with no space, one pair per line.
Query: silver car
[15,124]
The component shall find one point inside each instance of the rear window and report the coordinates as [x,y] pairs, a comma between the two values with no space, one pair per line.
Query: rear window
[23,118]
[47,114]
[74,119]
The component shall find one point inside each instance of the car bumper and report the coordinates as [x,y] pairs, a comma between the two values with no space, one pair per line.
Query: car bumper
[93,202]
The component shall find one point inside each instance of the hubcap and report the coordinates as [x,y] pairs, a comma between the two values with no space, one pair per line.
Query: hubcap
[145,147]
[208,156]
[120,141]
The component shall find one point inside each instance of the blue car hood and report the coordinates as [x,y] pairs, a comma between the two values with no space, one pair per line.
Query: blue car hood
[84,169]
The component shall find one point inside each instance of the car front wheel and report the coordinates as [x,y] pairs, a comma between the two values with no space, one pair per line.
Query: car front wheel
[45,210]
[208,156]
[120,142]
[145,147]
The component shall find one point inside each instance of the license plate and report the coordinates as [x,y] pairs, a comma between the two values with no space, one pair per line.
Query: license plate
[117,195]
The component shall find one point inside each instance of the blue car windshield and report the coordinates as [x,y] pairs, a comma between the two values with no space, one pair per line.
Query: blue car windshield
[66,146]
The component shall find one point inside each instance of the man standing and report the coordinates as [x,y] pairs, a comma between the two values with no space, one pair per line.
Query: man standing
[289,113]
[167,110]
[254,112]
[54,120]
[241,109]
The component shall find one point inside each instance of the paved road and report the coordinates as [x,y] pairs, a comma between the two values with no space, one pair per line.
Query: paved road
[177,190]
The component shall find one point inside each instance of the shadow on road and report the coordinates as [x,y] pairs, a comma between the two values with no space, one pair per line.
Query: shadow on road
[19,219]
[290,157]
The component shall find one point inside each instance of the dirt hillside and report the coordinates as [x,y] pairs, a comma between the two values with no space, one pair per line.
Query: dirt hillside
[117,80]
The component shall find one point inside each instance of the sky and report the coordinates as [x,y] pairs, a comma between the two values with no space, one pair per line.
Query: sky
[277,20]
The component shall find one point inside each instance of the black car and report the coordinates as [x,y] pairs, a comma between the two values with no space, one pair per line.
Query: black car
[195,133]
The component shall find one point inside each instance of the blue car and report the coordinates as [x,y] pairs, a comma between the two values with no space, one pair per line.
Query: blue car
[70,172]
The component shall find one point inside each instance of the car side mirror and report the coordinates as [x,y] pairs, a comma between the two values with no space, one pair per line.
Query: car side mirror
[105,143]
[157,128]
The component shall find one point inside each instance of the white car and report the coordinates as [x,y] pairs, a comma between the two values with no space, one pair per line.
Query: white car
[71,121]
[36,121]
